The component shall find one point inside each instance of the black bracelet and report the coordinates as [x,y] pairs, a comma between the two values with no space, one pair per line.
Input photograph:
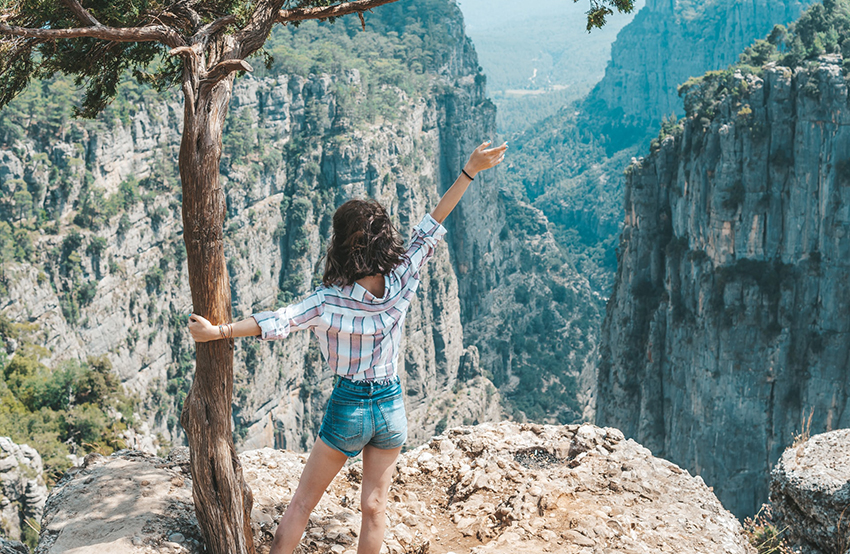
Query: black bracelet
[468,176]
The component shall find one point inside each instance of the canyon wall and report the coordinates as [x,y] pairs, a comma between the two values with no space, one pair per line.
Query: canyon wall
[727,329]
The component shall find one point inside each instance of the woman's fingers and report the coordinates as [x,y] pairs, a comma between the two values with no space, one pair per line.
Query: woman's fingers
[196,326]
[499,149]
[496,155]
[485,158]
[197,319]
[480,148]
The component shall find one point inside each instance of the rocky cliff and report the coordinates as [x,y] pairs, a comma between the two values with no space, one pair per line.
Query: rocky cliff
[570,165]
[727,326]
[809,489]
[490,489]
[667,43]
[297,145]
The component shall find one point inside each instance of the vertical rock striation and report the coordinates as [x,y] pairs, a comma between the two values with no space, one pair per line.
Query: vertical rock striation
[728,323]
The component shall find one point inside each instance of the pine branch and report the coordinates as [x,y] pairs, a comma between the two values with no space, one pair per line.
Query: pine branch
[222,69]
[82,14]
[149,33]
[358,6]
[267,12]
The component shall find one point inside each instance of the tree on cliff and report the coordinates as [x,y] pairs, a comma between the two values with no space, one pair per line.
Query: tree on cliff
[201,46]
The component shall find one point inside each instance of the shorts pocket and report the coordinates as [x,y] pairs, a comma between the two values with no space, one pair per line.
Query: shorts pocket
[345,420]
[394,415]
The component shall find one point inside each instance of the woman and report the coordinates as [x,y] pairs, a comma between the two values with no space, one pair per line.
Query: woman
[357,314]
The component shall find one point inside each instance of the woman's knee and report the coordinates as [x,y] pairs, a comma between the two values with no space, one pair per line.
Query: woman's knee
[373,507]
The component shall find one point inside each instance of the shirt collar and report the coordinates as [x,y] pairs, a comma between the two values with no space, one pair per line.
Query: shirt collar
[359,293]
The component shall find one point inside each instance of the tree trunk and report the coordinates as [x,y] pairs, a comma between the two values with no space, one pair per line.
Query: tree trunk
[222,499]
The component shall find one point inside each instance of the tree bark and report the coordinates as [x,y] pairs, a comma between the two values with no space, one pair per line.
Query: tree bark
[222,498]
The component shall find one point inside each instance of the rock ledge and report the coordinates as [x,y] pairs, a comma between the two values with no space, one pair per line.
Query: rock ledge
[489,489]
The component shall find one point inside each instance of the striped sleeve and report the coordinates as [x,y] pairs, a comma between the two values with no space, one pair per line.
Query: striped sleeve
[423,244]
[295,317]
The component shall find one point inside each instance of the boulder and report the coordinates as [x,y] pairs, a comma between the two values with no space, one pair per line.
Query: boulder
[22,487]
[810,491]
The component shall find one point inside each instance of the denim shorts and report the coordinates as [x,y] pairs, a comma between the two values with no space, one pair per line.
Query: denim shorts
[361,413]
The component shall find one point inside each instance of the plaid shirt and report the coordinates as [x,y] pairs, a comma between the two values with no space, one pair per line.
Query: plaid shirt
[358,333]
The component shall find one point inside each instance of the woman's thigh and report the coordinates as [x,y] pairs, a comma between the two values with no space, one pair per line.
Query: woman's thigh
[378,469]
[322,466]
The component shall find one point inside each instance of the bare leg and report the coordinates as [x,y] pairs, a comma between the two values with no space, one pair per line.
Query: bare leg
[378,466]
[322,466]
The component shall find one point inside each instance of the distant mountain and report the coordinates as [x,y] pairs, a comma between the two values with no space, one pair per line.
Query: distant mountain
[538,56]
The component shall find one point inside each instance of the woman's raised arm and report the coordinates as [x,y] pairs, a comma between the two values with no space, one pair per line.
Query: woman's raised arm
[481,158]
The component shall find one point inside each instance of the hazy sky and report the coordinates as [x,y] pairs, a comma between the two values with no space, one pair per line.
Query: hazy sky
[550,35]
[537,55]
[494,13]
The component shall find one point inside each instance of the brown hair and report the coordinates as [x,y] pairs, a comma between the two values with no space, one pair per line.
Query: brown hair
[364,242]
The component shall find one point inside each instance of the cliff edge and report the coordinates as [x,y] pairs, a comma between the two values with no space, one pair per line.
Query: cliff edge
[493,488]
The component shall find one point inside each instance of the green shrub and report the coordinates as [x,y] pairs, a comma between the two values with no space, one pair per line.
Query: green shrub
[60,409]
[154,280]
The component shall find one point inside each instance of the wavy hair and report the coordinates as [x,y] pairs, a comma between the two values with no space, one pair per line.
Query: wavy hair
[364,243]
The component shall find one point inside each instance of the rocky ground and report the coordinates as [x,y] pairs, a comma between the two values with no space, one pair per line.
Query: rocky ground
[810,492]
[492,488]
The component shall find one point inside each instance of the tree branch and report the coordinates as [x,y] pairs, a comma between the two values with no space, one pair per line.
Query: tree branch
[301,14]
[222,69]
[211,28]
[82,14]
[150,33]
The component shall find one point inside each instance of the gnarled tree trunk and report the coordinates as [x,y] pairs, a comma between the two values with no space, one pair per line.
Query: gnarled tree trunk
[222,499]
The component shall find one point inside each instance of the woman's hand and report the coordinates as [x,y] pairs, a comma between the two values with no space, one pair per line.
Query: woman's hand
[202,330]
[484,158]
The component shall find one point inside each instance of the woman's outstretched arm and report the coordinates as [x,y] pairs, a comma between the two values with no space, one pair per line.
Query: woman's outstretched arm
[203,331]
[267,325]
[481,158]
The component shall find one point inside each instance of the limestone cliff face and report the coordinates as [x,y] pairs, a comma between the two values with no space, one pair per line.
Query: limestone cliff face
[299,157]
[670,41]
[570,165]
[728,324]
